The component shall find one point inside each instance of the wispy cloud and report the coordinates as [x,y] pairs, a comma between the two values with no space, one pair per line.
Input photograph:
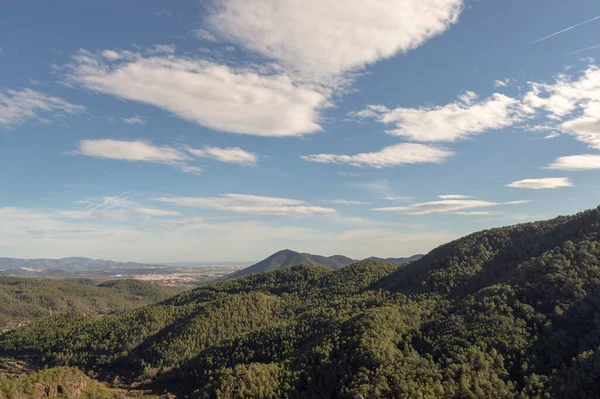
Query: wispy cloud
[395,198]
[445,206]
[249,204]
[503,82]
[18,106]
[399,154]
[136,120]
[118,207]
[344,202]
[454,196]
[123,150]
[229,155]
[566,30]
[145,151]
[540,184]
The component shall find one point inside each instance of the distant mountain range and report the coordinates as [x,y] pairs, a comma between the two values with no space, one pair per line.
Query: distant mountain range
[287,258]
[57,267]
[75,265]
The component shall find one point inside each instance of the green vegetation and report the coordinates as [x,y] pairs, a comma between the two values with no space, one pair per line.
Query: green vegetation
[23,299]
[60,382]
[504,313]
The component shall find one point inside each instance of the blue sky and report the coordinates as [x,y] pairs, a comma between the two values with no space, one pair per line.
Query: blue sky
[225,130]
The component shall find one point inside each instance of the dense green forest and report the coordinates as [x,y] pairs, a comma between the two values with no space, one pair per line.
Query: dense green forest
[23,299]
[504,313]
[62,383]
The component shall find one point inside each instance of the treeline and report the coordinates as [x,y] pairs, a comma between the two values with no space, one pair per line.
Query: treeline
[504,313]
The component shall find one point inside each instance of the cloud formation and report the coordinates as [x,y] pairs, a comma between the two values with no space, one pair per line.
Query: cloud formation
[445,206]
[455,121]
[319,39]
[230,154]
[576,162]
[136,120]
[344,202]
[212,95]
[399,154]
[540,184]
[249,204]
[17,106]
[130,151]
[144,151]
[572,104]
[454,196]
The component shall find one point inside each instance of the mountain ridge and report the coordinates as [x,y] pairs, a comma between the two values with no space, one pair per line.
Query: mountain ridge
[287,258]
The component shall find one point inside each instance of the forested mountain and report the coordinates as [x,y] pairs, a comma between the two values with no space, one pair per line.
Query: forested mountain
[23,299]
[50,267]
[397,260]
[59,382]
[504,313]
[287,258]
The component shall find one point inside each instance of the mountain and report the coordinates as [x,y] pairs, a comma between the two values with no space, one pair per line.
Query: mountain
[287,258]
[397,260]
[510,313]
[24,299]
[56,267]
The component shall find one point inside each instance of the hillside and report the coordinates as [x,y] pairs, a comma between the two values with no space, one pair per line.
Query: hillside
[287,258]
[504,313]
[64,266]
[24,299]
[60,382]
[398,261]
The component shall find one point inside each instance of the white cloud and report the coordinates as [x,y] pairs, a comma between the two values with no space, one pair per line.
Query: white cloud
[445,206]
[503,82]
[194,170]
[454,196]
[17,106]
[475,213]
[203,34]
[136,120]
[576,162]
[344,202]
[323,38]
[130,151]
[249,204]
[395,198]
[119,207]
[155,212]
[540,184]
[551,136]
[399,154]
[111,55]
[230,154]
[212,95]
[455,121]
[572,103]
